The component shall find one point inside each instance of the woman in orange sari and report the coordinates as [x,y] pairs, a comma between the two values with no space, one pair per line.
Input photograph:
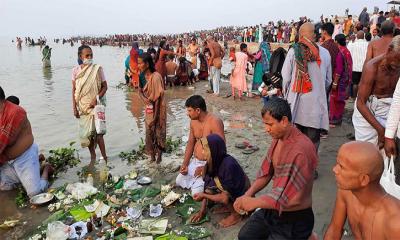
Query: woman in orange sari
[133,64]
[153,97]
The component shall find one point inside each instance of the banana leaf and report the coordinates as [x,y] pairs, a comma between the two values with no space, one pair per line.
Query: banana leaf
[79,213]
[145,192]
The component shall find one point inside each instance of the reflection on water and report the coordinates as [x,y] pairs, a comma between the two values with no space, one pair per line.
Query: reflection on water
[47,73]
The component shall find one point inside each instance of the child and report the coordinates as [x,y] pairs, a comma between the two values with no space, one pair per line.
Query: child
[171,70]
[271,86]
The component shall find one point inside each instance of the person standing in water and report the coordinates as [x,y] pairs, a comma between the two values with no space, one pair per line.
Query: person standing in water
[153,96]
[46,52]
[88,82]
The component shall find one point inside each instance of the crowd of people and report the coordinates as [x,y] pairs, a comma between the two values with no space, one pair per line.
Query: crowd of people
[304,89]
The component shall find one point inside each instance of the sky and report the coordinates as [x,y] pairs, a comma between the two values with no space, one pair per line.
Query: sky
[63,18]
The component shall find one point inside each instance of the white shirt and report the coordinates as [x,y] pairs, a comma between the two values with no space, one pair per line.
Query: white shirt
[392,123]
[358,50]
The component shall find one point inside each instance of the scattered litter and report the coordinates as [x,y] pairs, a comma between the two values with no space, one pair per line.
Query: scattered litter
[134,212]
[9,224]
[144,180]
[155,210]
[78,230]
[170,198]
[131,185]
[80,191]
[57,231]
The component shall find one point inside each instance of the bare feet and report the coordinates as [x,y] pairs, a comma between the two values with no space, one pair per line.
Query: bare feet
[230,220]
[48,170]
[222,209]
[332,126]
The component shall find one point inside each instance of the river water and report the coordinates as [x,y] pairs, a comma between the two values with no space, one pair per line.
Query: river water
[45,93]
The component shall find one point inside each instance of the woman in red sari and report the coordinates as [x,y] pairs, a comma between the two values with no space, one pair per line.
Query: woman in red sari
[341,82]
[161,59]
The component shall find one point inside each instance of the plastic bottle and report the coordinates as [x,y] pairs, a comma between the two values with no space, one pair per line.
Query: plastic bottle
[89,179]
[103,171]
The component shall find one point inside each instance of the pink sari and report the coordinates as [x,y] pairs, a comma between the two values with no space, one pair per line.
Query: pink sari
[238,78]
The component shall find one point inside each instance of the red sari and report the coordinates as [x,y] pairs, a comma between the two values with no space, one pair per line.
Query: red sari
[133,64]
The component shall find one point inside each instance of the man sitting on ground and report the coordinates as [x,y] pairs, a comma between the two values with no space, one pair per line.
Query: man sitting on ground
[372,213]
[19,160]
[285,211]
[202,124]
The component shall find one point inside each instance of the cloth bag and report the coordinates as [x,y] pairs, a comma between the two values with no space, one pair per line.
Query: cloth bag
[100,117]
[388,178]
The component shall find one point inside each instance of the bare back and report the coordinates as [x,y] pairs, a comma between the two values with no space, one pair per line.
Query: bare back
[368,223]
[21,141]
[378,47]
[171,67]
[217,49]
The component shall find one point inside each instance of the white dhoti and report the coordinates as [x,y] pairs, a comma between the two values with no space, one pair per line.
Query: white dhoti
[190,181]
[380,109]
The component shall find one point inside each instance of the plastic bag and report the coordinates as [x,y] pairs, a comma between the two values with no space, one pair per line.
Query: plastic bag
[388,178]
[100,117]
[57,231]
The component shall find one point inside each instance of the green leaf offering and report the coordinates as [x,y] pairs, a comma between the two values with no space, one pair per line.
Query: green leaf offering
[79,213]
[144,192]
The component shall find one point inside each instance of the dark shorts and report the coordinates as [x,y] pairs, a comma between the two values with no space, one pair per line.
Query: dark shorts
[267,224]
[356,77]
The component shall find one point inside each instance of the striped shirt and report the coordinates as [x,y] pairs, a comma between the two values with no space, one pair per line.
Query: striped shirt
[293,169]
[358,50]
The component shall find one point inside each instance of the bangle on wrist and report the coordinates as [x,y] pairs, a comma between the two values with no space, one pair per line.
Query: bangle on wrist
[334,84]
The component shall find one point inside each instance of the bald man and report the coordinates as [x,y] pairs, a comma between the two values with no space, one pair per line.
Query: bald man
[380,46]
[372,213]
[309,89]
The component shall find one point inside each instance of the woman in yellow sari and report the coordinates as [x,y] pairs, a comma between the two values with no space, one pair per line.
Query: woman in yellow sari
[152,95]
[88,82]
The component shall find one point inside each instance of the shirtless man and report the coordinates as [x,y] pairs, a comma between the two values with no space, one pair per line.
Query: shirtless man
[380,46]
[371,212]
[181,50]
[215,62]
[377,85]
[171,71]
[202,124]
[19,160]
[285,211]
[193,50]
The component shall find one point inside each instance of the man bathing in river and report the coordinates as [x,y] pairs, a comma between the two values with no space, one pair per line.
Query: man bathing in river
[19,160]
[202,124]
[371,212]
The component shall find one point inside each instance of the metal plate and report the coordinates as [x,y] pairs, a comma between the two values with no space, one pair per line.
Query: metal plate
[144,180]
[42,198]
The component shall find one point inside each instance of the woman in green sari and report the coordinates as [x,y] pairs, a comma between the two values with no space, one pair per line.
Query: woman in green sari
[262,64]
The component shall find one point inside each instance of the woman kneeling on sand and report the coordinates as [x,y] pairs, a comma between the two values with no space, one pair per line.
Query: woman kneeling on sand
[224,180]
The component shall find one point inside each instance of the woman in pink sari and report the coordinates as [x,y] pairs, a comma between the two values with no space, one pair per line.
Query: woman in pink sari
[238,77]
[341,82]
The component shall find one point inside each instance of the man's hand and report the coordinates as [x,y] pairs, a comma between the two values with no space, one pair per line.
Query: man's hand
[199,171]
[245,204]
[197,217]
[334,86]
[198,197]
[381,138]
[76,113]
[390,147]
[264,92]
[183,170]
